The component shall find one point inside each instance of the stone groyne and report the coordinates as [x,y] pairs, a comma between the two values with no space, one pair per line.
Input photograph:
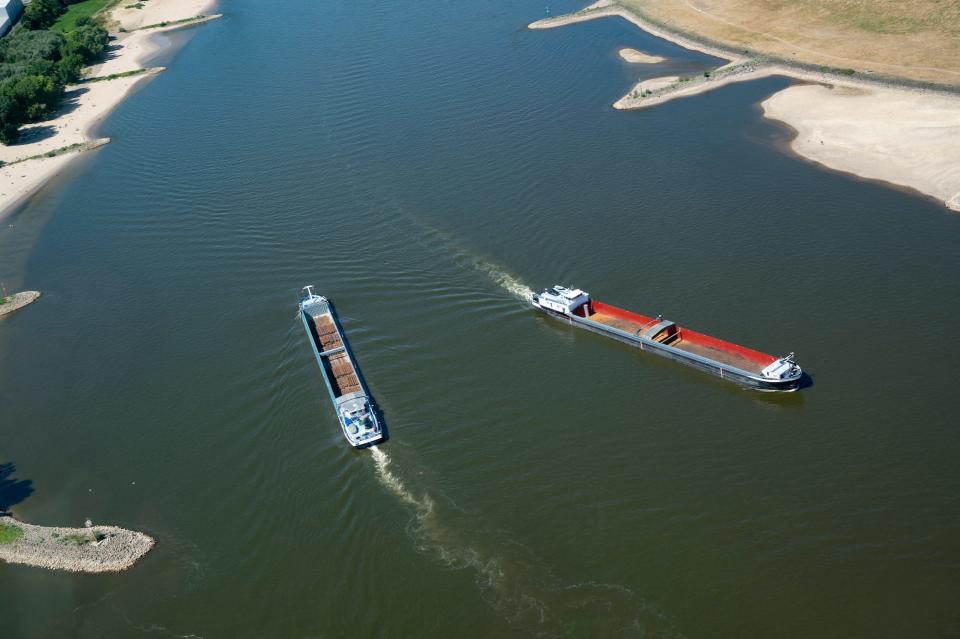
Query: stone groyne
[89,549]
[14,302]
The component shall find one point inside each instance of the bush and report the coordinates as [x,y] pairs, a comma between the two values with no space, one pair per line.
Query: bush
[40,14]
[88,41]
[32,96]
[31,45]
[35,66]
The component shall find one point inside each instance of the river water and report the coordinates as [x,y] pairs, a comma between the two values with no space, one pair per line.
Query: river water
[424,165]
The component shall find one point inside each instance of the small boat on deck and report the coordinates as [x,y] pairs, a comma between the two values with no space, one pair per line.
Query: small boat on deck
[349,394]
[736,363]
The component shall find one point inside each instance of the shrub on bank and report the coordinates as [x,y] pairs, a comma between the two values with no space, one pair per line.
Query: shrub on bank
[35,66]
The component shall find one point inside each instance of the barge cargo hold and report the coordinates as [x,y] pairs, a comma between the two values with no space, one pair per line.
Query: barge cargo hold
[733,362]
[349,394]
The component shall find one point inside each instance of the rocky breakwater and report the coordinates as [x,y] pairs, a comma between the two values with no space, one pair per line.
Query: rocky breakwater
[88,549]
[12,303]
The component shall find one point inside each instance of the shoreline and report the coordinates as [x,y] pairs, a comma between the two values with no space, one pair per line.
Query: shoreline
[30,164]
[886,149]
[92,549]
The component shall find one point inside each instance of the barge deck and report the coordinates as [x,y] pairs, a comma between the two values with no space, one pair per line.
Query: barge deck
[718,357]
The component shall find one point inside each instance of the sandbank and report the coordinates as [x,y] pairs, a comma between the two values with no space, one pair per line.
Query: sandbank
[94,549]
[639,57]
[901,136]
[878,130]
[46,147]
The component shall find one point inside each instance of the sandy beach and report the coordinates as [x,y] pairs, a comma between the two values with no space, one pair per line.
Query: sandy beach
[905,137]
[875,130]
[59,140]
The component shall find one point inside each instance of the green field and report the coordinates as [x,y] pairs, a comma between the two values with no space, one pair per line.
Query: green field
[10,533]
[68,21]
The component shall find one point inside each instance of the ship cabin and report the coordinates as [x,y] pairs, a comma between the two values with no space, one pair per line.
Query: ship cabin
[561,299]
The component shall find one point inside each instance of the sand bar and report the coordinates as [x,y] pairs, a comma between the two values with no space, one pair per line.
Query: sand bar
[878,130]
[88,103]
[94,549]
[639,57]
[906,137]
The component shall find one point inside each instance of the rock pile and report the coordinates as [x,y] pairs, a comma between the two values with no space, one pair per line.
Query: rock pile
[91,549]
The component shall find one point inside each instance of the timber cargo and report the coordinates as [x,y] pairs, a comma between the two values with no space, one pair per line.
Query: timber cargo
[349,394]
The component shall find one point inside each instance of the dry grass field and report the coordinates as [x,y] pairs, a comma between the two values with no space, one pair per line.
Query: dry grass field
[916,39]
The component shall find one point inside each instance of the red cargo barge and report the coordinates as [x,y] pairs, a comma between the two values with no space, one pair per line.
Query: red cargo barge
[724,359]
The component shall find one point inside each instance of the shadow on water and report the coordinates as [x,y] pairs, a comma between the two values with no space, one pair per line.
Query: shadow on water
[12,491]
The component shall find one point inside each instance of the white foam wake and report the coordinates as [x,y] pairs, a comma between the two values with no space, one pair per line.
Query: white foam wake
[503,279]
[513,580]
[423,505]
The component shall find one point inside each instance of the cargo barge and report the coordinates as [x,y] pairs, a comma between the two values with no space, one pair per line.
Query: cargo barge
[349,394]
[729,361]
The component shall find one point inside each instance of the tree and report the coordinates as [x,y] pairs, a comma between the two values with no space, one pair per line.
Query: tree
[69,68]
[32,97]
[40,14]
[89,42]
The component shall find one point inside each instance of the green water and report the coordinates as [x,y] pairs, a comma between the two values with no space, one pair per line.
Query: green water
[423,165]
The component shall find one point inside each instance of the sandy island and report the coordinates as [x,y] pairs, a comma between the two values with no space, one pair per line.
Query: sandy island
[639,57]
[90,549]
[46,147]
[902,135]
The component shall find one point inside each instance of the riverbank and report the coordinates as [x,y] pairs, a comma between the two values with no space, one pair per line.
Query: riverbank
[911,136]
[90,549]
[45,148]
[17,301]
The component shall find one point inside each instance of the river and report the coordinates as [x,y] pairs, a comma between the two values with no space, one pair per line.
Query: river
[425,165]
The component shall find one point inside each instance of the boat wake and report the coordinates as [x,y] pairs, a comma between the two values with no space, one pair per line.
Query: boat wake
[434,238]
[503,279]
[512,580]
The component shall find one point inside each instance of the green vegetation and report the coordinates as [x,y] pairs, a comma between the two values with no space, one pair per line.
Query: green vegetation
[10,533]
[837,71]
[79,12]
[36,63]
[172,22]
[136,5]
[4,300]
[114,76]
[78,540]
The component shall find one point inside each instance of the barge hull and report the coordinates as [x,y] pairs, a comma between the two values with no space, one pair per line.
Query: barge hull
[716,369]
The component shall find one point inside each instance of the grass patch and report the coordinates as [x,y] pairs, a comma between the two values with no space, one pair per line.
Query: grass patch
[87,8]
[49,154]
[171,22]
[77,540]
[10,533]
[4,300]
[114,76]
